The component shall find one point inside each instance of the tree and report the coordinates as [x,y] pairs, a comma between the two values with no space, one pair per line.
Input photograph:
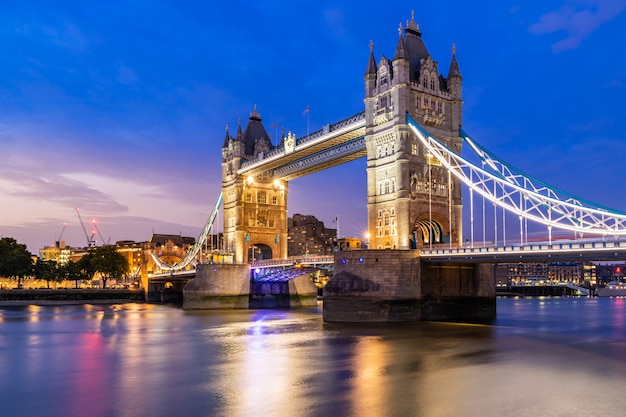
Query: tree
[109,263]
[72,271]
[15,259]
[86,265]
[46,270]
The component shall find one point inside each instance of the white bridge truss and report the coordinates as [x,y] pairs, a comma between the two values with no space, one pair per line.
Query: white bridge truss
[191,254]
[518,193]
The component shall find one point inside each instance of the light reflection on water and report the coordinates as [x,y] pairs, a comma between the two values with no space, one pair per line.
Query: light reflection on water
[540,357]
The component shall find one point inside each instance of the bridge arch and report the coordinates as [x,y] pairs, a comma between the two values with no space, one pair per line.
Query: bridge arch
[431,228]
[260,251]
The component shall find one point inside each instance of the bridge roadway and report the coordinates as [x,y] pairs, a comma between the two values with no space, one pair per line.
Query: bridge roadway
[333,145]
[543,252]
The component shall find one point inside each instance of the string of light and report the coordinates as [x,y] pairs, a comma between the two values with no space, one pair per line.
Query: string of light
[509,188]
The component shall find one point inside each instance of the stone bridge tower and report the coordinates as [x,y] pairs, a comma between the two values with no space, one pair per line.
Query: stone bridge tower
[412,200]
[255,208]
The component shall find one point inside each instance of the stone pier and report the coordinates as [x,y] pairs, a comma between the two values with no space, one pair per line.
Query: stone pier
[396,285]
[218,286]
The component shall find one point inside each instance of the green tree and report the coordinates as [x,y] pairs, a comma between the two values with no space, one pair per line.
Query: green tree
[72,271]
[15,259]
[109,263]
[46,270]
[86,264]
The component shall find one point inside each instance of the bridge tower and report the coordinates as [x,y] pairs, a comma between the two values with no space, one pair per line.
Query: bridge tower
[255,208]
[412,200]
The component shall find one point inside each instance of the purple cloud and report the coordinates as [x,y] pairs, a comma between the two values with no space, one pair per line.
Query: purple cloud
[578,19]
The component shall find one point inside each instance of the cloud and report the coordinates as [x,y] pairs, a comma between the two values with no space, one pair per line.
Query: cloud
[52,188]
[578,19]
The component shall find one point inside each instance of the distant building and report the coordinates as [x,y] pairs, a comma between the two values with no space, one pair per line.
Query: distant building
[59,253]
[307,235]
[578,273]
[349,243]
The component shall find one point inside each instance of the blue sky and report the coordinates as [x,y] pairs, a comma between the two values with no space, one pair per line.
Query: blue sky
[119,108]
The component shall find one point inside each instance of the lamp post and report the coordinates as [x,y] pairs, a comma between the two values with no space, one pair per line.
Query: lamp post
[367,240]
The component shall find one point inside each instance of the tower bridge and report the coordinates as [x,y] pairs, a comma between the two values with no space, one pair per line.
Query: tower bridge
[418,265]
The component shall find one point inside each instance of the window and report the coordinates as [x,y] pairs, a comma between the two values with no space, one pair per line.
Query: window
[432,83]
[414,148]
[261,197]
[249,198]
[274,200]
[382,102]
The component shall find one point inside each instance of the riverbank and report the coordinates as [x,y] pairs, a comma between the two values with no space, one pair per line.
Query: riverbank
[73,296]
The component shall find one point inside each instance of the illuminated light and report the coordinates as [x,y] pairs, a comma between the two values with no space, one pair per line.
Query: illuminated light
[564,208]
[257,270]
[343,261]
[361,260]
[250,179]
[276,183]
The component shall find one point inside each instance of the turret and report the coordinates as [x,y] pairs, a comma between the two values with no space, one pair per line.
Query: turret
[370,73]
[454,80]
[401,60]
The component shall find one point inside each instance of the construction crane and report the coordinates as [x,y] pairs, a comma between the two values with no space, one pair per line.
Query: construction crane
[58,242]
[93,222]
[90,241]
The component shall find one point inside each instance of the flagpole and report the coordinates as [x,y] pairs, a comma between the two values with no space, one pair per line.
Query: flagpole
[308,119]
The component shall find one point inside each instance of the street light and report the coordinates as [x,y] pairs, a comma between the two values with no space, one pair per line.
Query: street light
[367,240]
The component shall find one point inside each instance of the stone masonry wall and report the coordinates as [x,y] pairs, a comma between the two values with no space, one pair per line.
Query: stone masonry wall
[218,286]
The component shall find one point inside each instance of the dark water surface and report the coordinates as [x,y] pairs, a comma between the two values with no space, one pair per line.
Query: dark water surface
[541,357]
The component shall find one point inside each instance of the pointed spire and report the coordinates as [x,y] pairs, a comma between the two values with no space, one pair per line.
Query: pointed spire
[454,66]
[239,136]
[254,115]
[401,52]
[227,138]
[371,65]
[411,25]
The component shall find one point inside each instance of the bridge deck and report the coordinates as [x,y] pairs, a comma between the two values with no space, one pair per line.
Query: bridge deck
[317,143]
[554,252]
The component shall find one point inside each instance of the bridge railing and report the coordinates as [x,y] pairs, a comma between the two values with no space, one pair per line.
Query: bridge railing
[279,150]
[295,260]
[600,245]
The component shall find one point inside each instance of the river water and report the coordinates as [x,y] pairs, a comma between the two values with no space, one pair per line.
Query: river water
[540,357]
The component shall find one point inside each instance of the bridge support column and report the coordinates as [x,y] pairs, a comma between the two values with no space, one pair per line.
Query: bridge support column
[396,285]
[218,286]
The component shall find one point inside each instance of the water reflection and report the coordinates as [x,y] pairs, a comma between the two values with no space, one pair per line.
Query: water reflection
[540,357]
